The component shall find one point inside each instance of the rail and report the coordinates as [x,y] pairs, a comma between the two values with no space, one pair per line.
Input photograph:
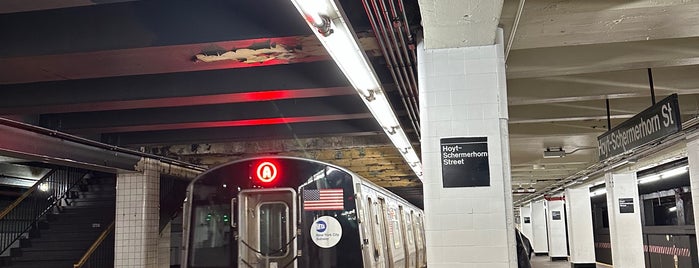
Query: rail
[99,254]
[26,212]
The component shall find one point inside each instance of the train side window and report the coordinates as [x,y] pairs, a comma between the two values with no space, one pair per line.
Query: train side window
[374,232]
[409,230]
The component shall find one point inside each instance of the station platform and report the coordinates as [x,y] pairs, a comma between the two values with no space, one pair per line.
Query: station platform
[545,262]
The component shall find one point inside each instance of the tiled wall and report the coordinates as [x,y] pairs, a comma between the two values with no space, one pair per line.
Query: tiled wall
[624,228]
[164,247]
[463,94]
[558,246]
[540,237]
[526,211]
[136,233]
[693,159]
[580,234]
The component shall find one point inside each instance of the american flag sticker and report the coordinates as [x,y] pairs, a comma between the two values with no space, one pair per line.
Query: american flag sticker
[323,199]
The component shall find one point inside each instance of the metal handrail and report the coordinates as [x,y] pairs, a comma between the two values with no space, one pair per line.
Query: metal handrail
[25,212]
[94,246]
[25,195]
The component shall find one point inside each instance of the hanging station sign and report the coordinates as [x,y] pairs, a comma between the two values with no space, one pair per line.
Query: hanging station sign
[658,121]
[465,162]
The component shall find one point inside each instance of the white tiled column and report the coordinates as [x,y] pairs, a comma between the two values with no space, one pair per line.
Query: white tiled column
[164,247]
[463,94]
[555,219]
[693,159]
[540,235]
[580,234]
[137,216]
[526,212]
[624,228]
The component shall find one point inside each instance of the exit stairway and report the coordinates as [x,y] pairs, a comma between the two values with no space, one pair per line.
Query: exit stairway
[63,236]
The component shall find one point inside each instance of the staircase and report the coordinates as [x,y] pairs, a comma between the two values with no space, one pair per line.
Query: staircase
[64,235]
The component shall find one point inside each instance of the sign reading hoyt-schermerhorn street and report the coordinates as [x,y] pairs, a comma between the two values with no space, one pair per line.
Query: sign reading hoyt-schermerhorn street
[465,162]
[660,120]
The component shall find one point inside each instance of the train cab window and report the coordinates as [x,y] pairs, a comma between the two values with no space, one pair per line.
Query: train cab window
[274,229]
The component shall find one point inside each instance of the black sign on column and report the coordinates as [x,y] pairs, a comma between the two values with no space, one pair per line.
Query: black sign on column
[465,162]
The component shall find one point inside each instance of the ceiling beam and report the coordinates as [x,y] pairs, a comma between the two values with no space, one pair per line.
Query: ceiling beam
[545,24]
[248,113]
[153,23]
[355,127]
[595,58]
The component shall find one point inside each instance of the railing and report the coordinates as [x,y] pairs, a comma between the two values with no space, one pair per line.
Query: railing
[101,253]
[25,213]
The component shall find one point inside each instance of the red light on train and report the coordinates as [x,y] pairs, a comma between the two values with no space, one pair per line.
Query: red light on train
[266,172]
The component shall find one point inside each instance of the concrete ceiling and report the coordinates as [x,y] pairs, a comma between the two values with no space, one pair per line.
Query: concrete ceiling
[137,74]
[567,57]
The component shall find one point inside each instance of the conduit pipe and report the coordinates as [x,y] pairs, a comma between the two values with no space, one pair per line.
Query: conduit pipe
[391,49]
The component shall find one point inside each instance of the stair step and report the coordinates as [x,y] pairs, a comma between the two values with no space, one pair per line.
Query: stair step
[67,236]
[42,246]
[41,264]
[57,255]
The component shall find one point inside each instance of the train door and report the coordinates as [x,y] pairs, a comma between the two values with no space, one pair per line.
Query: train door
[408,242]
[377,239]
[267,228]
[384,227]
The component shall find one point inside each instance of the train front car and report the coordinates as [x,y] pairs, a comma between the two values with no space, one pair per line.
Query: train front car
[272,212]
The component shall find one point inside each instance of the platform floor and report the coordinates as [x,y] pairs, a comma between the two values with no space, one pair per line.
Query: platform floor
[545,262]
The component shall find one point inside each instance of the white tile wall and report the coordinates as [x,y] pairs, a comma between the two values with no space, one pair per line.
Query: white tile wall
[526,229]
[625,230]
[164,247]
[558,246]
[137,217]
[540,235]
[693,159]
[580,234]
[461,96]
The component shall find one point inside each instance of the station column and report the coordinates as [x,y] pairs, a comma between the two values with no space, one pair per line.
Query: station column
[465,156]
[525,214]
[625,230]
[581,238]
[540,234]
[693,161]
[137,215]
[555,219]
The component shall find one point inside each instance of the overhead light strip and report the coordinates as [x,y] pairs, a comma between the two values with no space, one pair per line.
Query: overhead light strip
[328,23]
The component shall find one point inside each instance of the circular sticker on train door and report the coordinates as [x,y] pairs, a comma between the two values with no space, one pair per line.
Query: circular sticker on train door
[326,231]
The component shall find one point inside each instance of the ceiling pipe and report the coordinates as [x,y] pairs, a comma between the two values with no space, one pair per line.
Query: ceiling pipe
[405,47]
[511,40]
[389,51]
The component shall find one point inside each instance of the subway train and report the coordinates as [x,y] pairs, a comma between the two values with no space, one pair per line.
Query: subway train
[279,212]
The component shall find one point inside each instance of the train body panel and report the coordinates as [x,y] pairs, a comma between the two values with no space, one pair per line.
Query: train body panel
[279,212]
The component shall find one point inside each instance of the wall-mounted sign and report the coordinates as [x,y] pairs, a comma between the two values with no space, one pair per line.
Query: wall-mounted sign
[326,232]
[625,205]
[465,162]
[556,215]
[660,120]
[527,219]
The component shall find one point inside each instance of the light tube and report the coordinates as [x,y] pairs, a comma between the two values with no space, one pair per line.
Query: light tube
[342,45]
[649,179]
[674,172]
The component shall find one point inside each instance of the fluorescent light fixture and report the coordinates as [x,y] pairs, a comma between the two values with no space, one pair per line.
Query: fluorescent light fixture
[328,23]
[663,175]
[598,192]
[555,152]
[674,172]
[649,179]
[672,209]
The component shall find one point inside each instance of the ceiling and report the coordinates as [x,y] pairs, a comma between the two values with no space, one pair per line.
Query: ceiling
[189,78]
